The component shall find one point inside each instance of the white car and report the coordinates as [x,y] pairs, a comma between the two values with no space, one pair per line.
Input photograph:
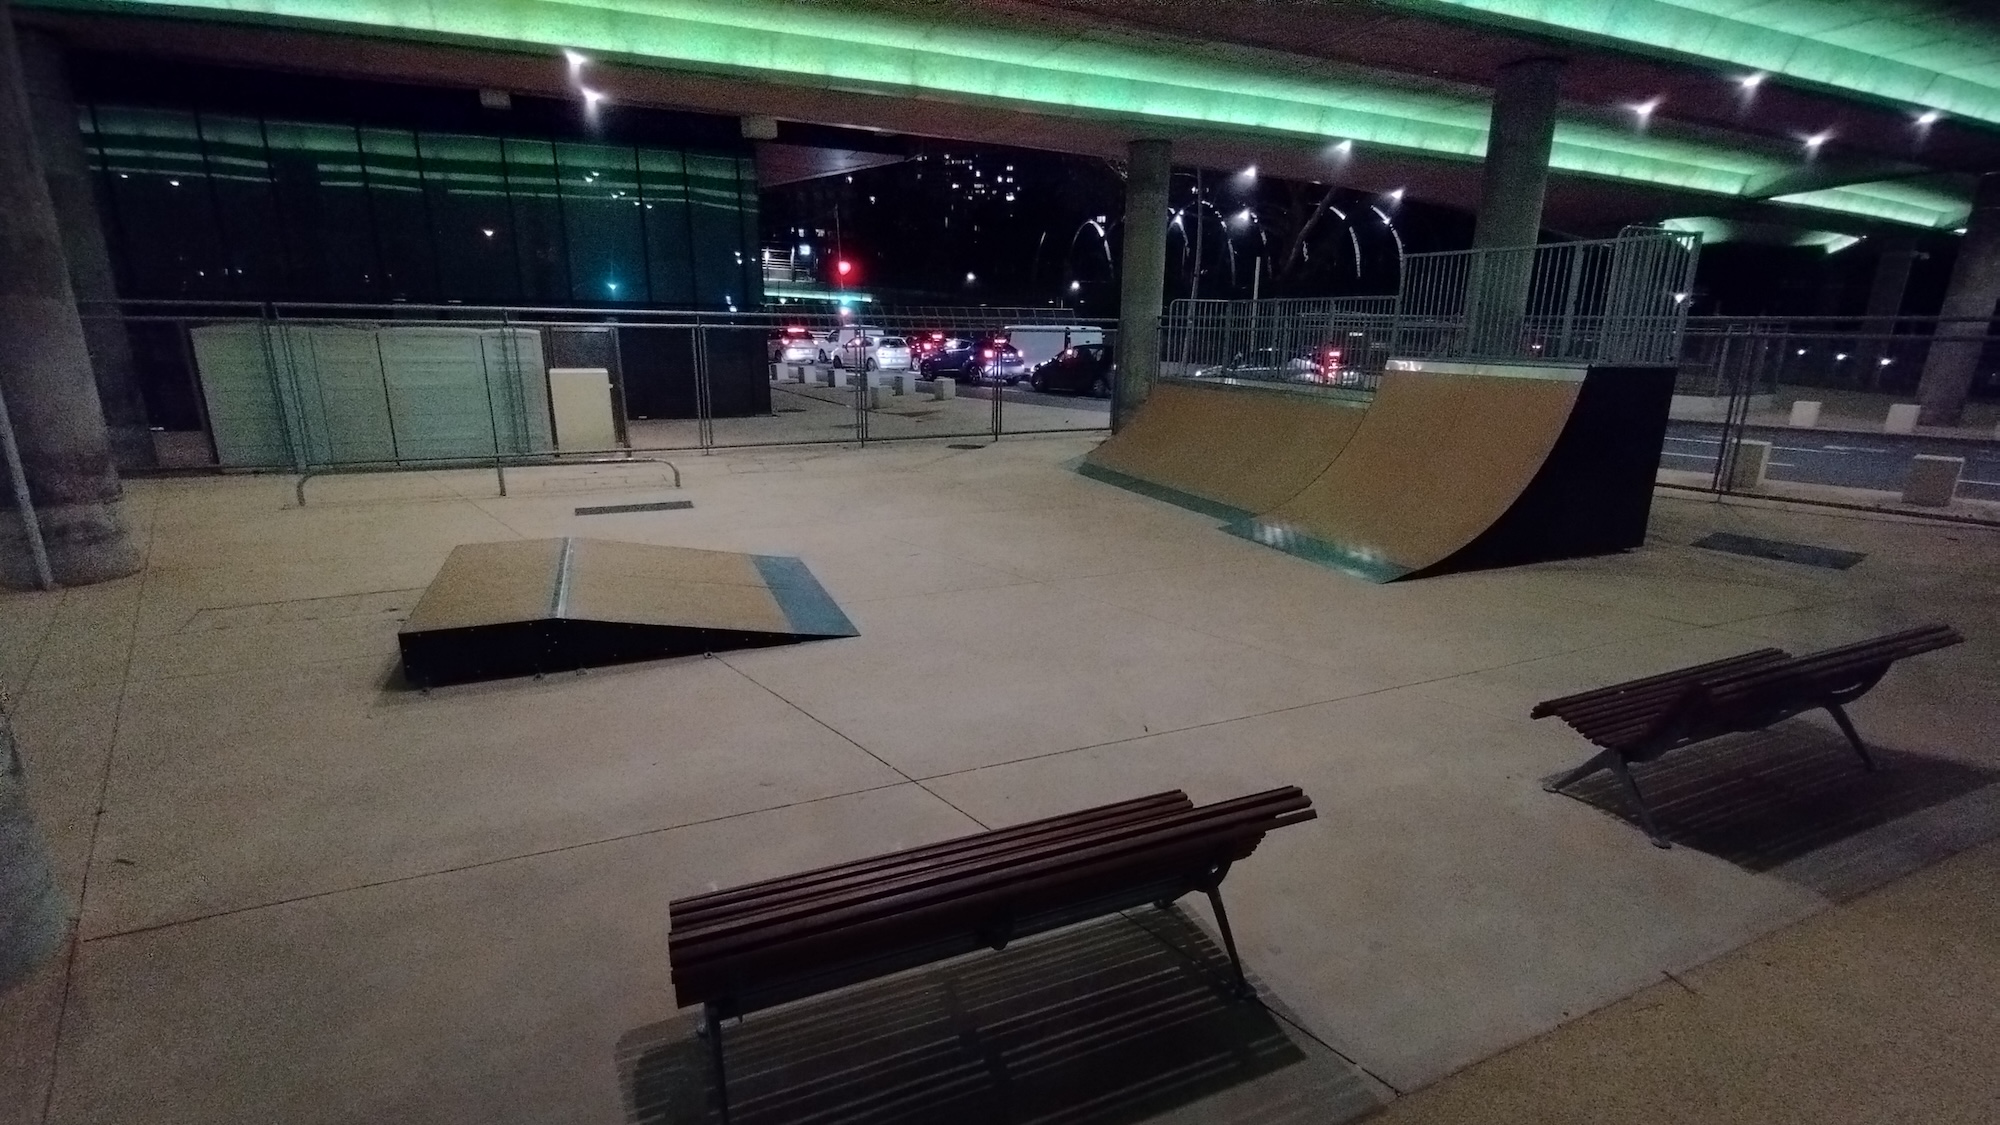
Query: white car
[873,353]
[799,346]
[838,346]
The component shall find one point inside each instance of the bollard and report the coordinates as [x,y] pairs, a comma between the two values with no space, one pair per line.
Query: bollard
[1805,414]
[774,371]
[1902,419]
[833,377]
[1753,459]
[1932,481]
[945,387]
[798,373]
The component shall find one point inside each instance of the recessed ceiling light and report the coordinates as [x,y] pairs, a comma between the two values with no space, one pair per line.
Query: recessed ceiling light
[1928,118]
[1818,139]
[1752,81]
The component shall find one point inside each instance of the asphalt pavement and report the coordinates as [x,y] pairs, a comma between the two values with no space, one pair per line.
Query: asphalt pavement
[1848,460]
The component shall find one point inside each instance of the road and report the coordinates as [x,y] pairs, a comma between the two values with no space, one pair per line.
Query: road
[1850,460]
[1024,395]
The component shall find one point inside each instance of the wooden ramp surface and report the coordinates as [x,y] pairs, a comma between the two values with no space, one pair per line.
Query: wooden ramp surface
[1438,459]
[1451,466]
[1232,451]
[523,607]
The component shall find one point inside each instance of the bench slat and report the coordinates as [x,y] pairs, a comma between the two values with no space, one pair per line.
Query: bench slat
[957,878]
[1555,706]
[687,912]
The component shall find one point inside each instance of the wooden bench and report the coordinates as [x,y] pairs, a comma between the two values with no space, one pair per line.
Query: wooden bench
[1643,719]
[738,950]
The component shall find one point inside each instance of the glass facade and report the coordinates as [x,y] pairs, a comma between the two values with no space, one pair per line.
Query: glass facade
[206,206]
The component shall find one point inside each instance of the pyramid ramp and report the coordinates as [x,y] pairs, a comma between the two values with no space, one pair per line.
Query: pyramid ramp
[546,605]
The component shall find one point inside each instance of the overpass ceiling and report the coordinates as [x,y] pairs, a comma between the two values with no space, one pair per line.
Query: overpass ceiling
[1407,82]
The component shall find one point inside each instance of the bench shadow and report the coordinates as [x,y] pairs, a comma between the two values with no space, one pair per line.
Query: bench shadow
[1768,800]
[1129,1018]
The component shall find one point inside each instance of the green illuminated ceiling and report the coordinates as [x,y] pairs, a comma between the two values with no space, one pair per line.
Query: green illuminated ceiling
[1906,51]
[1120,76]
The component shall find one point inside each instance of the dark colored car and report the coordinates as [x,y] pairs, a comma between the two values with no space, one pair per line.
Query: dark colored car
[1084,370]
[975,360]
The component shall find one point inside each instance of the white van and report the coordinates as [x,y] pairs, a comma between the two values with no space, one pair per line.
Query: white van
[1039,343]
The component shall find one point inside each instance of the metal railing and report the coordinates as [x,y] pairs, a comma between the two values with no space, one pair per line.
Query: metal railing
[1333,341]
[1618,300]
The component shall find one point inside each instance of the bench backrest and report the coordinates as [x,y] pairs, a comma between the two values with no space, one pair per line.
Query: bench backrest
[1742,692]
[980,889]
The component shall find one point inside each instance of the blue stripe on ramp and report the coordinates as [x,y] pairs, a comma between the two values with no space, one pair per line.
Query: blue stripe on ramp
[807,606]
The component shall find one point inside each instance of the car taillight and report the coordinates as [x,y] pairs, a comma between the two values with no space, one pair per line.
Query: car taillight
[988,353]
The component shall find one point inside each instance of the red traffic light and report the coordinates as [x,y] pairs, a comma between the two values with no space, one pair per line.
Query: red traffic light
[843,267]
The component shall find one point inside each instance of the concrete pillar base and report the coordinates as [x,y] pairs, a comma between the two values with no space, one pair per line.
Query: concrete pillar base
[34,915]
[86,543]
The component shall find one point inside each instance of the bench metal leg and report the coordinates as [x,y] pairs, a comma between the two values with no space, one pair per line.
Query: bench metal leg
[1847,728]
[1228,939]
[712,1029]
[1602,761]
[1645,812]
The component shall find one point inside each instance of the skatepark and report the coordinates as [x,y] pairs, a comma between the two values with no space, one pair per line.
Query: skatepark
[290,839]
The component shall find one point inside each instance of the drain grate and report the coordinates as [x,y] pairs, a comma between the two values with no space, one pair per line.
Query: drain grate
[1805,554]
[620,509]
[965,445]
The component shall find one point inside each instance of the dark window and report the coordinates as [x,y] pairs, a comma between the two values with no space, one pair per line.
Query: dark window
[323,211]
[601,205]
[395,182]
[465,184]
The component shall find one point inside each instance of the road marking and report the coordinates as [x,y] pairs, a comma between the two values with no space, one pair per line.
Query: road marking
[1858,449]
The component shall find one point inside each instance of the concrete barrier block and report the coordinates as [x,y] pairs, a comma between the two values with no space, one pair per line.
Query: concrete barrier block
[1753,460]
[774,372]
[871,396]
[906,383]
[945,387]
[1932,480]
[798,373]
[1902,419]
[1805,414]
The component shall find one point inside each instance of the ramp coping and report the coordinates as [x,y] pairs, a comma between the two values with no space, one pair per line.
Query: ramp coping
[559,597]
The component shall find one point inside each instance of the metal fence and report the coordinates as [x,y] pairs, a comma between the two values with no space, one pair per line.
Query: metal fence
[1334,341]
[1615,300]
[321,388]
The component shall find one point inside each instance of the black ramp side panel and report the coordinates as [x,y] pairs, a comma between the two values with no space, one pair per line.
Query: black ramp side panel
[1594,494]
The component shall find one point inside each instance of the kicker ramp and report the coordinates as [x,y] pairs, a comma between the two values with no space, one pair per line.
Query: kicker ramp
[544,605]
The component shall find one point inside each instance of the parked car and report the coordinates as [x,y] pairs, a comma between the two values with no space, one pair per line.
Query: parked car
[1084,369]
[873,353]
[798,345]
[1265,364]
[836,341]
[949,356]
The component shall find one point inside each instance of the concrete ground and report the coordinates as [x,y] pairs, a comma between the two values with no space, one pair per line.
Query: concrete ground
[308,895]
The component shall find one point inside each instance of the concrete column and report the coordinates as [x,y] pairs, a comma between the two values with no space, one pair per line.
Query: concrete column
[45,368]
[1513,184]
[1143,277]
[1885,303]
[1518,142]
[67,167]
[1968,298]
